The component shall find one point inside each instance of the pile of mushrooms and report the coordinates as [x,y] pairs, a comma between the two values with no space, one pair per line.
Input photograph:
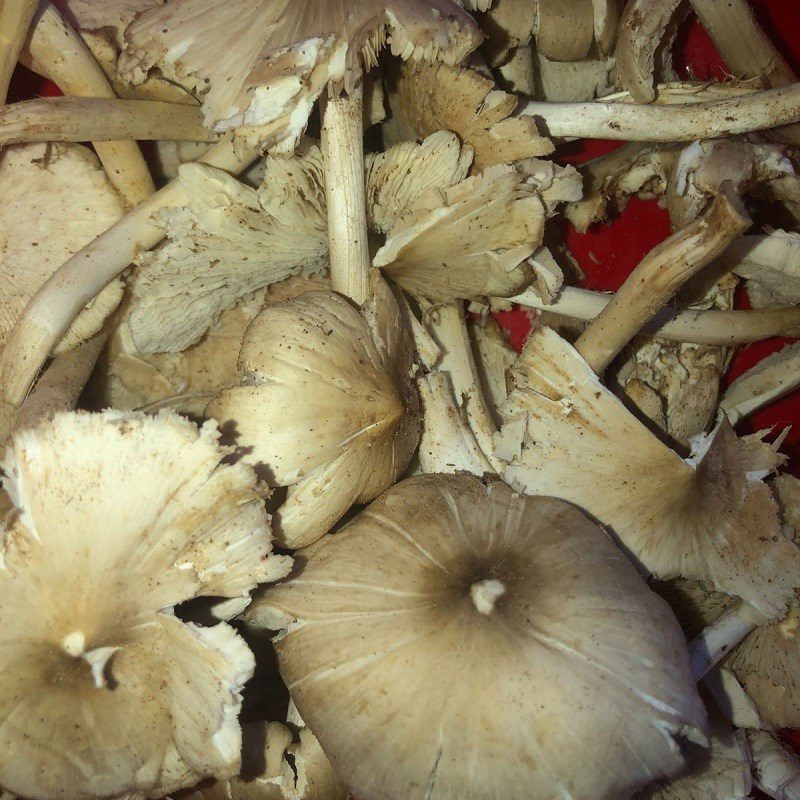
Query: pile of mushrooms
[285,516]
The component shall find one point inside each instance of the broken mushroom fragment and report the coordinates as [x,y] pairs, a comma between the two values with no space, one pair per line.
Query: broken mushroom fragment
[458,640]
[709,517]
[226,243]
[326,405]
[119,518]
[39,185]
[425,98]
[776,770]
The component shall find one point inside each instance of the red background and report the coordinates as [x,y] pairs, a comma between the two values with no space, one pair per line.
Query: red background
[608,253]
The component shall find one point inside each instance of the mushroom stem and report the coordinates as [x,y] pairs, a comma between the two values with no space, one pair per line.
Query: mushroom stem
[345,193]
[449,329]
[448,443]
[719,638]
[53,308]
[79,119]
[672,123]
[731,698]
[697,327]
[485,594]
[62,53]
[15,20]
[659,276]
[771,378]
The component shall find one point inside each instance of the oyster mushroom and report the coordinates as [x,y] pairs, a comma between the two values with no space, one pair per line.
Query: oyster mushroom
[104,690]
[15,19]
[326,405]
[776,770]
[40,183]
[709,517]
[479,649]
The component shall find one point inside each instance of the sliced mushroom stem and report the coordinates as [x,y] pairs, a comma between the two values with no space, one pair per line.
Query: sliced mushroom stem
[343,153]
[450,330]
[15,20]
[671,123]
[448,443]
[659,276]
[518,72]
[79,119]
[62,53]
[719,638]
[53,308]
[697,327]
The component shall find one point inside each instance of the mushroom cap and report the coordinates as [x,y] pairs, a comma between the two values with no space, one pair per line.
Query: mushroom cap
[326,404]
[723,773]
[786,489]
[456,639]
[424,98]
[41,183]
[710,518]
[120,517]
[224,244]
[261,65]
[475,239]
[111,15]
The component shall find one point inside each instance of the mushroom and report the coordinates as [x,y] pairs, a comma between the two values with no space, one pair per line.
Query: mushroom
[105,691]
[776,770]
[276,765]
[499,645]
[723,773]
[326,404]
[426,98]
[709,518]
[41,183]
[15,20]
[786,489]
[226,243]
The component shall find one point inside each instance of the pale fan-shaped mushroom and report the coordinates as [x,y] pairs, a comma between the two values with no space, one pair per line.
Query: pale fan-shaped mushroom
[225,244]
[326,404]
[457,640]
[121,517]
[710,517]
[721,774]
[474,239]
[41,184]
[275,767]
[427,98]
[261,65]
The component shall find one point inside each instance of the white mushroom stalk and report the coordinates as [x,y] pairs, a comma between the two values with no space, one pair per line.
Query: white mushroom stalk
[96,609]
[78,119]
[658,277]
[776,769]
[672,123]
[770,379]
[15,20]
[68,62]
[446,598]
[52,310]
[700,327]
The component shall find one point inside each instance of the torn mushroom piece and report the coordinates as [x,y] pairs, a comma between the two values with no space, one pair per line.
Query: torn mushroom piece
[228,242]
[425,98]
[709,517]
[119,518]
[721,773]
[776,769]
[276,765]
[451,642]
[260,66]
[41,183]
[326,405]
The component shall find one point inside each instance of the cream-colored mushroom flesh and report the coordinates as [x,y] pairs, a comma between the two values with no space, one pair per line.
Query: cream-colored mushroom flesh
[326,404]
[457,640]
[709,517]
[54,199]
[119,518]
[262,64]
